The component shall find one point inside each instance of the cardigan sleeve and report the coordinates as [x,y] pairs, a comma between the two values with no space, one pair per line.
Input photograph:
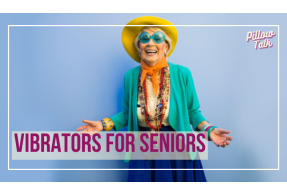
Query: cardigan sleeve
[121,119]
[195,116]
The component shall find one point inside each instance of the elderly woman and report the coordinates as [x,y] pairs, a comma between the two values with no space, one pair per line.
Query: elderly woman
[158,96]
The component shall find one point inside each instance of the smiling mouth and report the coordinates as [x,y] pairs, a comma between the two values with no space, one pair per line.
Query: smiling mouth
[151,52]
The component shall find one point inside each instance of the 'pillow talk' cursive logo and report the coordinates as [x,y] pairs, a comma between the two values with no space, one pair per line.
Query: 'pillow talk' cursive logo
[257,36]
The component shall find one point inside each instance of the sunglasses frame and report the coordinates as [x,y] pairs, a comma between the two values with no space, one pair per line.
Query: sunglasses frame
[152,37]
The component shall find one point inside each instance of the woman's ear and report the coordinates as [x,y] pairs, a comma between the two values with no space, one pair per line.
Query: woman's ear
[166,47]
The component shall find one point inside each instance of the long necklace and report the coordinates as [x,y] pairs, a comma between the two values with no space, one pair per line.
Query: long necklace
[159,109]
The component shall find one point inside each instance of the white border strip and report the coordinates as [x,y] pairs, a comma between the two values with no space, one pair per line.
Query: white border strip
[8,99]
[143,169]
[140,25]
[278,98]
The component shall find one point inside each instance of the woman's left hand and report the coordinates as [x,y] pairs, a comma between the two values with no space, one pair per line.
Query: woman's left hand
[219,137]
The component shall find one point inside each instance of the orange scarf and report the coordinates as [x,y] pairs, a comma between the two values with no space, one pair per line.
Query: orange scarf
[147,70]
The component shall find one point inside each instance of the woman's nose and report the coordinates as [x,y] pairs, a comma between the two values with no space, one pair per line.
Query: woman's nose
[150,42]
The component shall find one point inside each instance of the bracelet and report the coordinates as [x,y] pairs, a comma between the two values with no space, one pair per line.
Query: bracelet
[104,125]
[205,126]
[108,124]
[206,131]
[209,130]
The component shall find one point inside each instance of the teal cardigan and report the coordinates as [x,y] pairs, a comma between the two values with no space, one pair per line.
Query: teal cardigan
[184,105]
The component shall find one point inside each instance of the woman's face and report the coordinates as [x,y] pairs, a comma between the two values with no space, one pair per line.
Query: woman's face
[151,52]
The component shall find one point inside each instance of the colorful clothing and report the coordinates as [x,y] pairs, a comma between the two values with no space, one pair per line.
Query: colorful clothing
[184,105]
[153,99]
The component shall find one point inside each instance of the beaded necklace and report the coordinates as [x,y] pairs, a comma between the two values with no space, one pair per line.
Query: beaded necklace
[160,108]
[161,98]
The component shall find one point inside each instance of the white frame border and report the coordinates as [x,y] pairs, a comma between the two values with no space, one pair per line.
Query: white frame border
[143,25]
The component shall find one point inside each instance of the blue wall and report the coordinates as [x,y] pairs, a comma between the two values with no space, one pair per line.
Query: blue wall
[60,75]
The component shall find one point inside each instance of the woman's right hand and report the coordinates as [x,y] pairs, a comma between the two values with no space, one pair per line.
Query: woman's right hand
[91,127]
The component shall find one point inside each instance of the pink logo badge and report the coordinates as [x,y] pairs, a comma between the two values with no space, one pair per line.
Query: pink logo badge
[257,36]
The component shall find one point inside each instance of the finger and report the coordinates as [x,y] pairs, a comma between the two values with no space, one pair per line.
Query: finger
[227,142]
[217,143]
[229,138]
[86,121]
[224,131]
[224,144]
[82,127]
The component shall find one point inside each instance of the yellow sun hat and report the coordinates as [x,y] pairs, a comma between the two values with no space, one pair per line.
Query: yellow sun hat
[130,32]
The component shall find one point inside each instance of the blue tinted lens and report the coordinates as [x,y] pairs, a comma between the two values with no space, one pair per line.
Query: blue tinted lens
[158,37]
[144,37]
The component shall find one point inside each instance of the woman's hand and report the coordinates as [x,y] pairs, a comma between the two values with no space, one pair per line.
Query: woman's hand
[219,137]
[91,127]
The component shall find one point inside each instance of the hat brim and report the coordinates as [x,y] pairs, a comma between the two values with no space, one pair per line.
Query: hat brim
[130,32]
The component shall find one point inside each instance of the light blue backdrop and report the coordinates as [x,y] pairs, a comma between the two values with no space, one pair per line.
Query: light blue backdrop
[60,75]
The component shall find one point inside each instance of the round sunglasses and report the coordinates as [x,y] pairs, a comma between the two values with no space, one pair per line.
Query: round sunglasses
[157,37]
